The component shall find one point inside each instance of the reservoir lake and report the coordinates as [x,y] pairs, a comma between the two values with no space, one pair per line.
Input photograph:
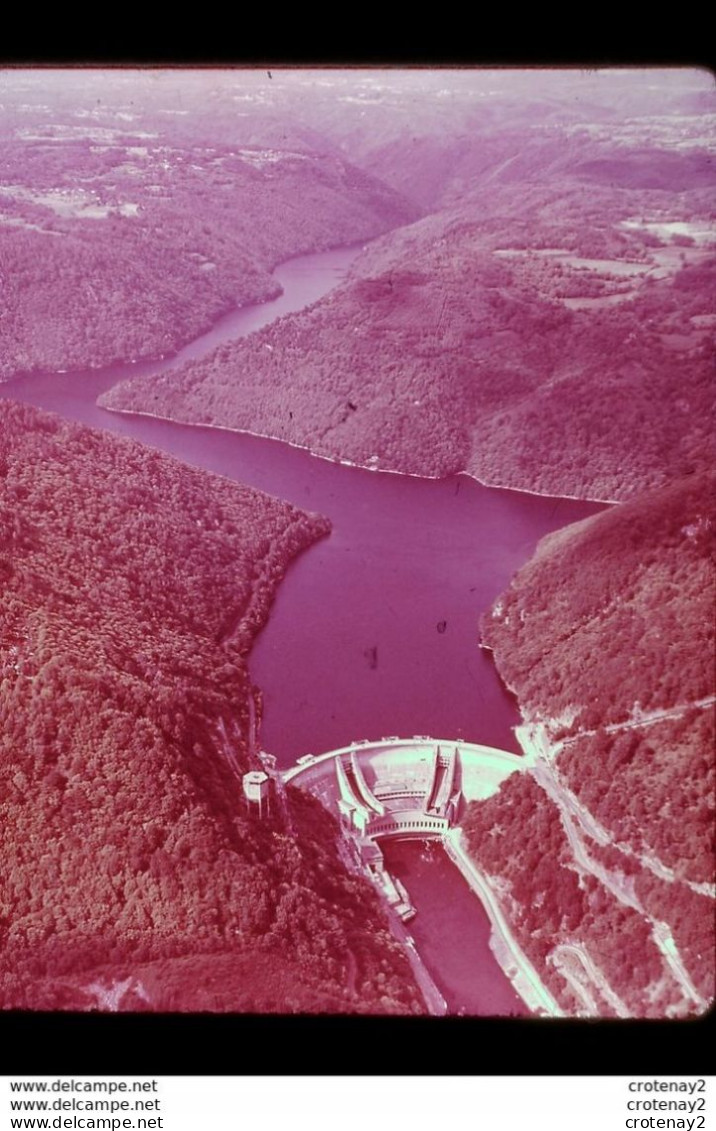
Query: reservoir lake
[374,630]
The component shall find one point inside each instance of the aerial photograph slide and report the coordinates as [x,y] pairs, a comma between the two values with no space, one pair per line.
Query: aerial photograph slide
[357,531]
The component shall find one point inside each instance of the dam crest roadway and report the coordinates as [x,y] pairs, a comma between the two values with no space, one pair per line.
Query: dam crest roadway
[402,786]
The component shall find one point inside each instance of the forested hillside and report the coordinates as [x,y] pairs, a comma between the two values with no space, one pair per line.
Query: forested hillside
[134,876]
[546,325]
[607,639]
[126,230]
[534,306]
[534,334]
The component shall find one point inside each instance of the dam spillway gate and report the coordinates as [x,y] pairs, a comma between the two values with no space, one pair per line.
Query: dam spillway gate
[397,787]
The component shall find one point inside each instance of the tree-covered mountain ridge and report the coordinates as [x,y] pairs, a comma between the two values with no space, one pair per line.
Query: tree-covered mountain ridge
[607,639]
[134,875]
[555,347]
[132,248]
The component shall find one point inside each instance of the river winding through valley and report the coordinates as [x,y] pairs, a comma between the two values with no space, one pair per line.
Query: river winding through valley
[374,630]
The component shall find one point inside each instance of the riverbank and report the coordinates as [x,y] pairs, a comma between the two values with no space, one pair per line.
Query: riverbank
[351,463]
[381,616]
[434,1001]
[508,954]
[132,586]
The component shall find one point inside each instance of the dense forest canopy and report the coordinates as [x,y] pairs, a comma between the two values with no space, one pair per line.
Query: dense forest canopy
[607,638]
[535,307]
[546,325]
[134,877]
[129,222]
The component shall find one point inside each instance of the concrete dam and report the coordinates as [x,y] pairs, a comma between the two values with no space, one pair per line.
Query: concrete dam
[418,788]
[400,787]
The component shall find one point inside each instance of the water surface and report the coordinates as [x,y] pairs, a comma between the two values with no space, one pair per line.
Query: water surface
[374,630]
